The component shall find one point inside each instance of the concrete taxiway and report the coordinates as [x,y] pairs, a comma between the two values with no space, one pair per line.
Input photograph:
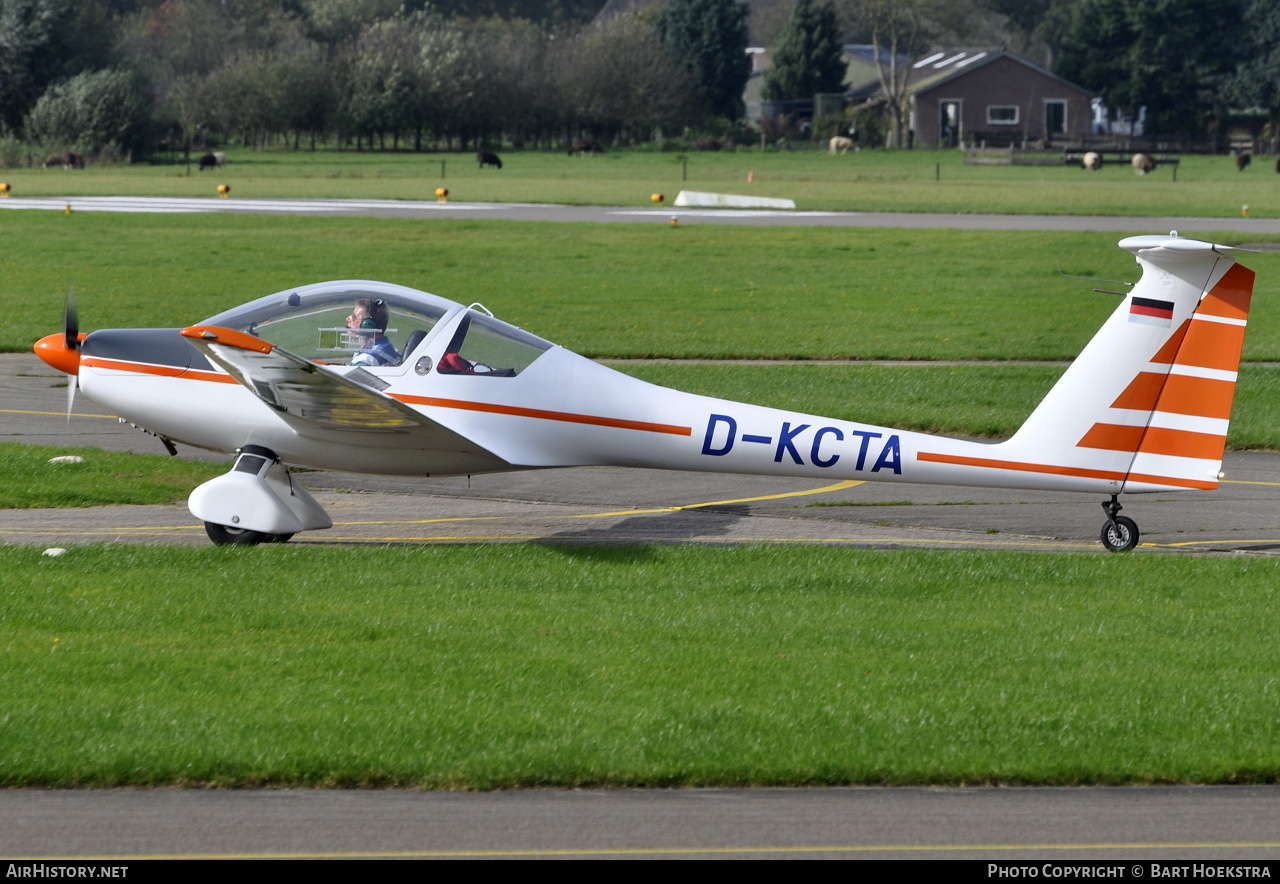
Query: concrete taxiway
[425,210]
[1226,825]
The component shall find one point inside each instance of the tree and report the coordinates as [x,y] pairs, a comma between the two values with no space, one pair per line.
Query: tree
[615,80]
[1257,80]
[1046,20]
[43,41]
[91,111]
[1172,57]
[710,38]
[899,30]
[809,57]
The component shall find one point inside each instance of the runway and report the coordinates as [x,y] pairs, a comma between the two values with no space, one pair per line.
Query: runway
[425,210]
[1163,824]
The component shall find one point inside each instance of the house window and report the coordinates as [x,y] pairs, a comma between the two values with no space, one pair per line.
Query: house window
[1002,114]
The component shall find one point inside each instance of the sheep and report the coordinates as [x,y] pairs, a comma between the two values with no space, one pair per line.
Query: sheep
[485,158]
[1243,159]
[1092,161]
[67,159]
[213,160]
[1143,163]
[584,146]
[841,144]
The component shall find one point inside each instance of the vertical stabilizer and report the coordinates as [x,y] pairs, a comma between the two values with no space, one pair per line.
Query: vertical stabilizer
[1147,402]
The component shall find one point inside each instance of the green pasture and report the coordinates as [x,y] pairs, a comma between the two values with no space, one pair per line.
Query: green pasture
[506,666]
[29,480]
[873,180]
[621,291]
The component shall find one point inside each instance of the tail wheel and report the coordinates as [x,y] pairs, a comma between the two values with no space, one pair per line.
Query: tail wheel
[225,535]
[1120,534]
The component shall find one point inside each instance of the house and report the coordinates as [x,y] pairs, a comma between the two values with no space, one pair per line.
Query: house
[992,97]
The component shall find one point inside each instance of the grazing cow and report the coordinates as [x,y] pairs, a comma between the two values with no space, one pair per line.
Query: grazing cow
[1092,161]
[584,146]
[840,144]
[213,160]
[67,159]
[1243,159]
[484,158]
[1143,163]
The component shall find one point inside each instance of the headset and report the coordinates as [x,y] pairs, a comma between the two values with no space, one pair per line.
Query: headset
[374,305]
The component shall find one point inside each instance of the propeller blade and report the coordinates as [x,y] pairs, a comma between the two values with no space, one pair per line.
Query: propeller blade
[72,383]
[71,322]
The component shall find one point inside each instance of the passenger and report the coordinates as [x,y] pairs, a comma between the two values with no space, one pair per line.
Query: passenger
[369,320]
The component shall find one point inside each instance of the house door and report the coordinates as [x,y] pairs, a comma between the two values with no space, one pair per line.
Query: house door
[1055,118]
[949,124]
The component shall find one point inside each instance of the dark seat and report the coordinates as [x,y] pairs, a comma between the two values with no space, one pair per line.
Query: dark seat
[414,339]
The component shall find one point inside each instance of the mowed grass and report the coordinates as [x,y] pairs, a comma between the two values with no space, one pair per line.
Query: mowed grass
[873,180]
[504,666]
[622,291]
[28,478]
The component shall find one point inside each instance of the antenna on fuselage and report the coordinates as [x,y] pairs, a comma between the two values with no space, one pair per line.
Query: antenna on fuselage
[1097,279]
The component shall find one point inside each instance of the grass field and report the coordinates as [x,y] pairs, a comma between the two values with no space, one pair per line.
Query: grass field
[609,290]
[493,666]
[888,181]
[28,478]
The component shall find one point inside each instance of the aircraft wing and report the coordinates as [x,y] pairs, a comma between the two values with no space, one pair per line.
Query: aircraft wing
[319,402]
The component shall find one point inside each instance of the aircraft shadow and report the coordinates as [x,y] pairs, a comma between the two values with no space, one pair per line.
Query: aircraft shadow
[681,526]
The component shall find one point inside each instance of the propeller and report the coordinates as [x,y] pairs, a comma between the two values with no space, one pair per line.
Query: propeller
[71,340]
[71,322]
[61,350]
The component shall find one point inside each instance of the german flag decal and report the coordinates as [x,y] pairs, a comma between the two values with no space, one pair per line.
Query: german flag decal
[1150,311]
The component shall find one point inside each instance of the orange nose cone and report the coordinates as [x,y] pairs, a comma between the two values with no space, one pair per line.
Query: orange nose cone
[53,349]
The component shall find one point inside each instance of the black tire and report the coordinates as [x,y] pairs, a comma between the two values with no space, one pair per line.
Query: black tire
[1120,535]
[225,535]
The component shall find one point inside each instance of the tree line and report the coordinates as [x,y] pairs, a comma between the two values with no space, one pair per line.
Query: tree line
[124,75]
[128,75]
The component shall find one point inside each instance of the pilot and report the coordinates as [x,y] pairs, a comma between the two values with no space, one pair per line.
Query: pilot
[369,320]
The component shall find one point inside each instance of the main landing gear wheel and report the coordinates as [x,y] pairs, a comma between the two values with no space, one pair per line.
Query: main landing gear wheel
[1120,533]
[226,535]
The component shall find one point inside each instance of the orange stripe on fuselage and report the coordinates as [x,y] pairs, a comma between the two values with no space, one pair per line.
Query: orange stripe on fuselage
[540,414]
[515,411]
[1018,466]
[1052,470]
[164,371]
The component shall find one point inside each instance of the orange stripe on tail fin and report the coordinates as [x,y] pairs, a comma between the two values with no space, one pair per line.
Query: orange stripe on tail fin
[1213,341]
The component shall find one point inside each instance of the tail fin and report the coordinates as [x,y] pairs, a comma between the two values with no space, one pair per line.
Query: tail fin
[1149,399]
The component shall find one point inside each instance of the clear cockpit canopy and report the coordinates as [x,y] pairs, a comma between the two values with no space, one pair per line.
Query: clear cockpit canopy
[311,321]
